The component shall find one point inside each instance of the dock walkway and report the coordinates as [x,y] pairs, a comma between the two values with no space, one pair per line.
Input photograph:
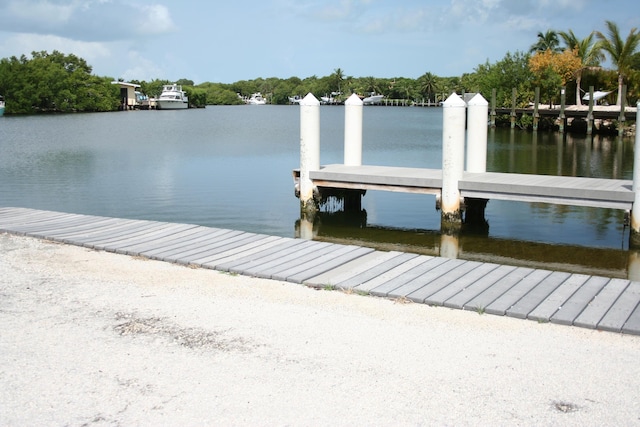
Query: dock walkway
[580,191]
[541,295]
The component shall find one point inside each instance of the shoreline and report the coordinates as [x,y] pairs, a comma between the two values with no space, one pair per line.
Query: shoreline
[96,337]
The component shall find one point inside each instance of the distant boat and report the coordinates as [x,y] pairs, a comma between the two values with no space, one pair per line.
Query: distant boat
[172,98]
[372,99]
[330,99]
[597,95]
[256,99]
[295,99]
[1,105]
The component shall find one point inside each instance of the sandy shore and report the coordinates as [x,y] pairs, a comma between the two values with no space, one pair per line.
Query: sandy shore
[94,338]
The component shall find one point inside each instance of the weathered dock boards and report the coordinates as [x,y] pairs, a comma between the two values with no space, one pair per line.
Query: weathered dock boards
[541,295]
[580,191]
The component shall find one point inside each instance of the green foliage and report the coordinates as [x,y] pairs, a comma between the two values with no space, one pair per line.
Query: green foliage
[54,83]
[510,72]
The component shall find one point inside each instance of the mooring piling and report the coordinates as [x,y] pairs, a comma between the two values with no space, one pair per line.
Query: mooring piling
[477,134]
[353,131]
[453,130]
[634,235]
[309,150]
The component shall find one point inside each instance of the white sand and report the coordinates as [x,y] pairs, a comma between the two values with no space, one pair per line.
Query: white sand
[94,338]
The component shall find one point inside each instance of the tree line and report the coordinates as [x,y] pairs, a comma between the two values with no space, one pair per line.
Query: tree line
[55,82]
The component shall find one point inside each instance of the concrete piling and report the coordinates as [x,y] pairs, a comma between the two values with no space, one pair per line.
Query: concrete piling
[309,150]
[634,235]
[452,160]
[353,131]
[477,134]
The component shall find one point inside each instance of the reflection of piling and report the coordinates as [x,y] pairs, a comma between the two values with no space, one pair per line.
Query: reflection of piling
[561,118]
[536,115]
[634,237]
[309,151]
[590,113]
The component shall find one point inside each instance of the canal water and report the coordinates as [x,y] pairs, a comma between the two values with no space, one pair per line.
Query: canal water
[231,167]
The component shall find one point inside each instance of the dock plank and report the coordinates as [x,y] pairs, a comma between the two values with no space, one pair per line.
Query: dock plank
[458,285]
[408,277]
[424,279]
[572,308]
[409,262]
[601,303]
[621,309]
[355,267]
[493,300]
[478,286]
[531,299]
[377,272]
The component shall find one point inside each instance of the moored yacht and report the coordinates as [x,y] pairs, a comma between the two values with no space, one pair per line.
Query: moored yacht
[172,98]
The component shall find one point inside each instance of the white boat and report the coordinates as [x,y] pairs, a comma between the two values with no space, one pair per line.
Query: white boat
[295,99]
[372,99]
[1,105]
[256,99]
[172,98]
[330,99]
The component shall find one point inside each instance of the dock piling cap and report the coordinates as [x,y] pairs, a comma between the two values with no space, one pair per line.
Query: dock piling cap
[309,100]
[454,101]
[353,100]
[478,100]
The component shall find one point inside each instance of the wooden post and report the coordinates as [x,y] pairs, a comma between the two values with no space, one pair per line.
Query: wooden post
[536,116]
[562,117]
[590,113]
[493,108]
[477,134]
[621,117]
[309,150]
[453,129]
[634,235]
[353,131]
[513,108]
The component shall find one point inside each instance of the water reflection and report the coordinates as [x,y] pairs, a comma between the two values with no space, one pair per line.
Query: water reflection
[351,228]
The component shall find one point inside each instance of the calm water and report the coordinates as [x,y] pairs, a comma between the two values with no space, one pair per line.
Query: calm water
[231,167]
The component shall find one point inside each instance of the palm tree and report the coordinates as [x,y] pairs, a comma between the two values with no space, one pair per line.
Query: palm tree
[546,41]
[428,84]
[620,51]
[587,51]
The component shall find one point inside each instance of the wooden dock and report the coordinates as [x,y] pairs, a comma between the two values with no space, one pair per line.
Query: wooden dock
[536,294]
[577,191]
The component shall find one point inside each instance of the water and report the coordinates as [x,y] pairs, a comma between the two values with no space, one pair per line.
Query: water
[231,167]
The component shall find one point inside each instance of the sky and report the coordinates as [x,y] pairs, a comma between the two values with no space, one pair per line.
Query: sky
[224,41]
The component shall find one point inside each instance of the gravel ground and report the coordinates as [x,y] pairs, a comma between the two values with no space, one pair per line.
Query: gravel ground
[94,338]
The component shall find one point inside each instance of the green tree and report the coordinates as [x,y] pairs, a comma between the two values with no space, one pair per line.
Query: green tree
[428,83]
[620,51]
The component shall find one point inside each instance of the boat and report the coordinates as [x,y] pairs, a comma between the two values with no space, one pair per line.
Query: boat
[1,105]
[172,98]
[372,99]
[332,99]
[256,99]
[295,99]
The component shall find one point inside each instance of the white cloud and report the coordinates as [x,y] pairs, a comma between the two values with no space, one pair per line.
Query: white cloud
[143,69]
[19,44]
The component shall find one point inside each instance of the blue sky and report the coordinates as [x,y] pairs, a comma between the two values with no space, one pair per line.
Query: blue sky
[226,41]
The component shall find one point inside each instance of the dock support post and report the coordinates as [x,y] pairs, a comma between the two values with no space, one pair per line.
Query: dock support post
[621,117]
[309,151]
[453,131]
[513,108]
[536,115]
[353,131]
[590,113]
[492,115]
[561,117]
[634,235]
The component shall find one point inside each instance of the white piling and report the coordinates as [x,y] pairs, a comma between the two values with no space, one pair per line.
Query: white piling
[309,144]
[477,126]
[635,210]
[452,156]
[353,131]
